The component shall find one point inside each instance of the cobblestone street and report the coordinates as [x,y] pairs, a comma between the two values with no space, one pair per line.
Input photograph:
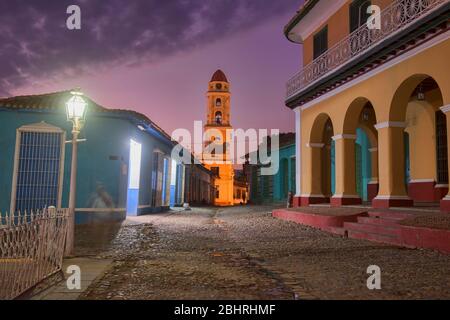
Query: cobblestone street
[244,253]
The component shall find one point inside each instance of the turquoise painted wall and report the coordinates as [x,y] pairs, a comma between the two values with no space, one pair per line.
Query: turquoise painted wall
[100,159]
[284,180]
[363,163]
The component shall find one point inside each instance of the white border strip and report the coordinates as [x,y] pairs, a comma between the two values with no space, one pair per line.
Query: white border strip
[390,124]
[445,109]
[315,145]
[344,137]
[421,181]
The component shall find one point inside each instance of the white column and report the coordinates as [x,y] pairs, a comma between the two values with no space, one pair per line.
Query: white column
[298,151]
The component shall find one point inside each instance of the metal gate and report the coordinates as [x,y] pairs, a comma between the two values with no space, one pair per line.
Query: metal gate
[31,249]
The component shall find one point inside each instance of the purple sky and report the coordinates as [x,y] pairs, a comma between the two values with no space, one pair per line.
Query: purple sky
[157,63]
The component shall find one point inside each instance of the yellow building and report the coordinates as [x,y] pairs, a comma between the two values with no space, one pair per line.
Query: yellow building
[389,86]
[217,136]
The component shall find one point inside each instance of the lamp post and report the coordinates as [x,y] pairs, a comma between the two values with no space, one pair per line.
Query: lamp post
[76,112]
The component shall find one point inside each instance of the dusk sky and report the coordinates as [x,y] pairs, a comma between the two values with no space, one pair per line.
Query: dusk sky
[155,57]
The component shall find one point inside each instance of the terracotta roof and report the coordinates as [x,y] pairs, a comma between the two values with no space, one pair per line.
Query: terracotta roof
[50,101]
[56,101]
[219,76]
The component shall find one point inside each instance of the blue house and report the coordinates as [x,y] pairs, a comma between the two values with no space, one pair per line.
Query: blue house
[124,166]
[274,188]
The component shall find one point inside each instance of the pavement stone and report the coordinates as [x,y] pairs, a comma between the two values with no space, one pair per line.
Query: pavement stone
[91,269]
[244,253]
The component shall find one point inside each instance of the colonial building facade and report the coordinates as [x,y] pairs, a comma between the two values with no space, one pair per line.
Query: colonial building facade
[124,164]
[372,104]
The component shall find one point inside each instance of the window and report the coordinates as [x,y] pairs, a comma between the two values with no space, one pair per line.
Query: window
[215,170]
[218,117]
[217,194]
[321,42]
[218,102]
[358,13]
[160,179]
[441,148]
[38,168]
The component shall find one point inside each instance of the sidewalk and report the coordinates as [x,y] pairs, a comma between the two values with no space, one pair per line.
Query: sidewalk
[91,270]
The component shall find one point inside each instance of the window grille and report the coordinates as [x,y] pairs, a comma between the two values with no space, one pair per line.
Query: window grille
[38,170]
[441,148]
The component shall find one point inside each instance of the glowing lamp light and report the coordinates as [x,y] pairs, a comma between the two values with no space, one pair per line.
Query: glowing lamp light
[76,107]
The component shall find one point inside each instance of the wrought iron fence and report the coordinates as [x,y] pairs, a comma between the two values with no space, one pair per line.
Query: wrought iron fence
[31,249]
[395,17]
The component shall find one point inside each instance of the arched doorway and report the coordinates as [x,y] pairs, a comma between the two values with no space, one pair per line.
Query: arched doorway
[320,176]
[426,159]
[414,142]
[358,155]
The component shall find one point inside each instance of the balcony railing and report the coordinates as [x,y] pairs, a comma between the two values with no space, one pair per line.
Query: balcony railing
[398,15]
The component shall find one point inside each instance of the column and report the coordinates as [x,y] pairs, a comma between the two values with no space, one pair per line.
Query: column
[372,187]
[345,171]
[445,202]
[298,157]
[314,176]
[391,163]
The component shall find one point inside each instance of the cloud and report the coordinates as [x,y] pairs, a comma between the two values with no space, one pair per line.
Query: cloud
[35,43]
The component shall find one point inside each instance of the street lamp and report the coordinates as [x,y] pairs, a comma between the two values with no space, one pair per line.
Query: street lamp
[76,113]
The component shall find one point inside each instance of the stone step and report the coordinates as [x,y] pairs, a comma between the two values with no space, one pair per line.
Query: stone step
[374,237]
[393,215]
[379,221]
[336,230]
[373,228]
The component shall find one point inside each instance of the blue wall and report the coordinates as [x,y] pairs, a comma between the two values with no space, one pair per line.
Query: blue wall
[363,163]
[284,180]
[101,158]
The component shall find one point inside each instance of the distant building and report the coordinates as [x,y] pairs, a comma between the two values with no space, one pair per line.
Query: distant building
[200,185]
[240,188]
[371,102]
[216,156]
[124,166]
[273,188]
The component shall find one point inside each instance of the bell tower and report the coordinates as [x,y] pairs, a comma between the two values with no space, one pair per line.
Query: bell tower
[218,96]
[216,156]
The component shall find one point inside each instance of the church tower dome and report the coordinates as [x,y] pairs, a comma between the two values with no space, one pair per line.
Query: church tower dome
[219,76]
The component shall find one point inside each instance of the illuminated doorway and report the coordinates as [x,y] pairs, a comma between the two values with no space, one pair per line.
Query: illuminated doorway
[134,174]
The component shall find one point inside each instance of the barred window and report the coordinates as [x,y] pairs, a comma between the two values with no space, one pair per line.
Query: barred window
[38,168]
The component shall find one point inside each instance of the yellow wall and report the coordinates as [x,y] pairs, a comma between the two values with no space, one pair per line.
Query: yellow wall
[420,124]
[389,93]
[338,28]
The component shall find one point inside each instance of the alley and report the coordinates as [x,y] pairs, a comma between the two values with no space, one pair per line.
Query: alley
[244,253]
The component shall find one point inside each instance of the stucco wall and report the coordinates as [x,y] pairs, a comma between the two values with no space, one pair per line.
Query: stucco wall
[102,159]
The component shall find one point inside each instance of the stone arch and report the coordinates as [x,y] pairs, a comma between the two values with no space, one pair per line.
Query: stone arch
[319,179]
[318,128]
[402,96]
[354,114]
[356,151]
[410,167]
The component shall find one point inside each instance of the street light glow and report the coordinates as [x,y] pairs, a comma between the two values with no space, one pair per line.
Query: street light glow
[76,107]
